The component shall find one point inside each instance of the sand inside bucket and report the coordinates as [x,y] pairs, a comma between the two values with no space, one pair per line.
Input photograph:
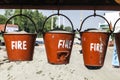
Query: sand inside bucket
[60,31]
[20,32]
[95,30]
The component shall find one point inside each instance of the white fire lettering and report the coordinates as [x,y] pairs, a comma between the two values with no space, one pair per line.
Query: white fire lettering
[96,47]
[64,44]
[18,45]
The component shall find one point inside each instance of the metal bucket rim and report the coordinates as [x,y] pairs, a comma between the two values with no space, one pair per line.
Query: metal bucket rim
[19,33]
[116,33]
[58,33]
[95,32]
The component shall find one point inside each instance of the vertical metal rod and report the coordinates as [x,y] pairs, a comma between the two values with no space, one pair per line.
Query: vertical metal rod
[58,6]
[21,11]
[94,12]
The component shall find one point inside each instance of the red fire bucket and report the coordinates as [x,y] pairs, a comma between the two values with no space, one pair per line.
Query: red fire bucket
[58,44]
[19,46]
[94,46]
[117,39]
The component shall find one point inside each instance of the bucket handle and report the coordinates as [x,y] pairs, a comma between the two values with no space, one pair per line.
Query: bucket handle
[94,16]
[115,24]
[41,30]
[20,15]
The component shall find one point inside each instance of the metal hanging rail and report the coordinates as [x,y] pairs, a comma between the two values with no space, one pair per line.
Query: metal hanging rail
[64,4]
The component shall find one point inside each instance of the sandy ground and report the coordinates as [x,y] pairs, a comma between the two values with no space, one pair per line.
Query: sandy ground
[40,69]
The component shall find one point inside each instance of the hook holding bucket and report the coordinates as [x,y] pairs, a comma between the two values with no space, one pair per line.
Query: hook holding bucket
[94,15]
[20,15]
[41,30]
[58,11]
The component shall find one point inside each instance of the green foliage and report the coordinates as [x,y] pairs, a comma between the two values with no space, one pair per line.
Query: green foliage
[3,19]
[48,25]
[68,28]
[25,24]
[8,13]
[61,26]
[112,36]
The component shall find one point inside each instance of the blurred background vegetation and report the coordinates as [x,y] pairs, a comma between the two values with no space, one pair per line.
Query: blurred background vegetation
[26,25]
